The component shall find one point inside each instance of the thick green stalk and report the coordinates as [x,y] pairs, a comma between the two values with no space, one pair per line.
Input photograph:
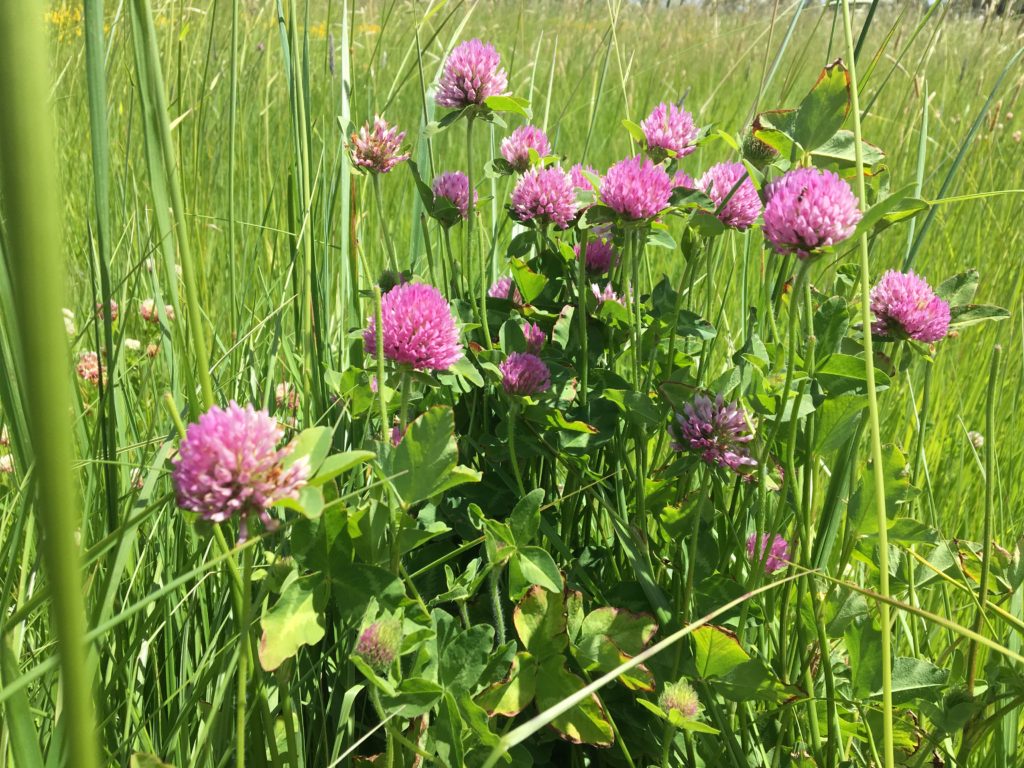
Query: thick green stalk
[33,212]
[513,414]
[986,540]
[378,196]
[494,582]
[876,436]
[389,734]
[243,660]
[470,242]
[403,412]
[385,430]
[583,359]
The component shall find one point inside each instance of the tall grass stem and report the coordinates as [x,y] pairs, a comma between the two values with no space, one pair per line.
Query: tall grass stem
[876,437]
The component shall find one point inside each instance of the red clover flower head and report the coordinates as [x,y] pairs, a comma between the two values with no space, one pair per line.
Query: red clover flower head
[90,368]
[777,551]
[535,338]
[600,255]
[453,186]
[524,373]
[680,697]
[809,209]
[516,147]
[545,195]
[683,179]
[718,431]
[378,148]
[379,643]
[579,179]
[505,288]
[744,205]
[418,328]
[149,313]
[472,73]
[113,311]
[604,294]
[229,464]
[906,307]
[636,188]
[669,129]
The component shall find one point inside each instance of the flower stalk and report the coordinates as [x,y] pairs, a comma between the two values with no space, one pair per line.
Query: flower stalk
[986,540]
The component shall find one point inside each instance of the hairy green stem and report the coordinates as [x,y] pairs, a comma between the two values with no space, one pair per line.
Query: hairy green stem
[385,428]
[470,242]
[986,540]
[583,358]
[494,582]
[403,412]
[513,415]
[378,197]
[389,736]
[243,659]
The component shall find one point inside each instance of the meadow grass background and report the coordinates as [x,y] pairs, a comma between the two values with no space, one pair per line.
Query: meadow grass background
[167,667]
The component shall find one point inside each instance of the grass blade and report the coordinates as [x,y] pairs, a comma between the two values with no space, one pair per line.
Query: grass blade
[32,205]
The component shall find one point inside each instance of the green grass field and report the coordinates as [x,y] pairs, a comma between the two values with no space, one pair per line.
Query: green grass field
[244,110]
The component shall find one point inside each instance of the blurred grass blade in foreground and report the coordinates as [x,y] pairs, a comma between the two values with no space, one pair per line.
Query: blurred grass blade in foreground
[31,207]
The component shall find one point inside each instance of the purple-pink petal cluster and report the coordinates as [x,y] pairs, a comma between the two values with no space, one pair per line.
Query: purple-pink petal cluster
[113,310]
[600,255]
[505,288]
[379,643]
[683,179]
[905,306]
[515,148]
[524,373]
[229,464]
[418,328]
[578,174]
[669,129]
[743,206]
[545,195]
[149,312]
[717,430]
[776,556]
[535,338]
[378,148]
[809,209]
[636,188]
[453,186]
[90,368]
[472,73]
[604,294]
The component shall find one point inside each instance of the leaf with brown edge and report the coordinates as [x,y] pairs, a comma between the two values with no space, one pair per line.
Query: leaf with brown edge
[823,111]
[586,723]
[514,694]
[631,632]
[717,651]
[540,621]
